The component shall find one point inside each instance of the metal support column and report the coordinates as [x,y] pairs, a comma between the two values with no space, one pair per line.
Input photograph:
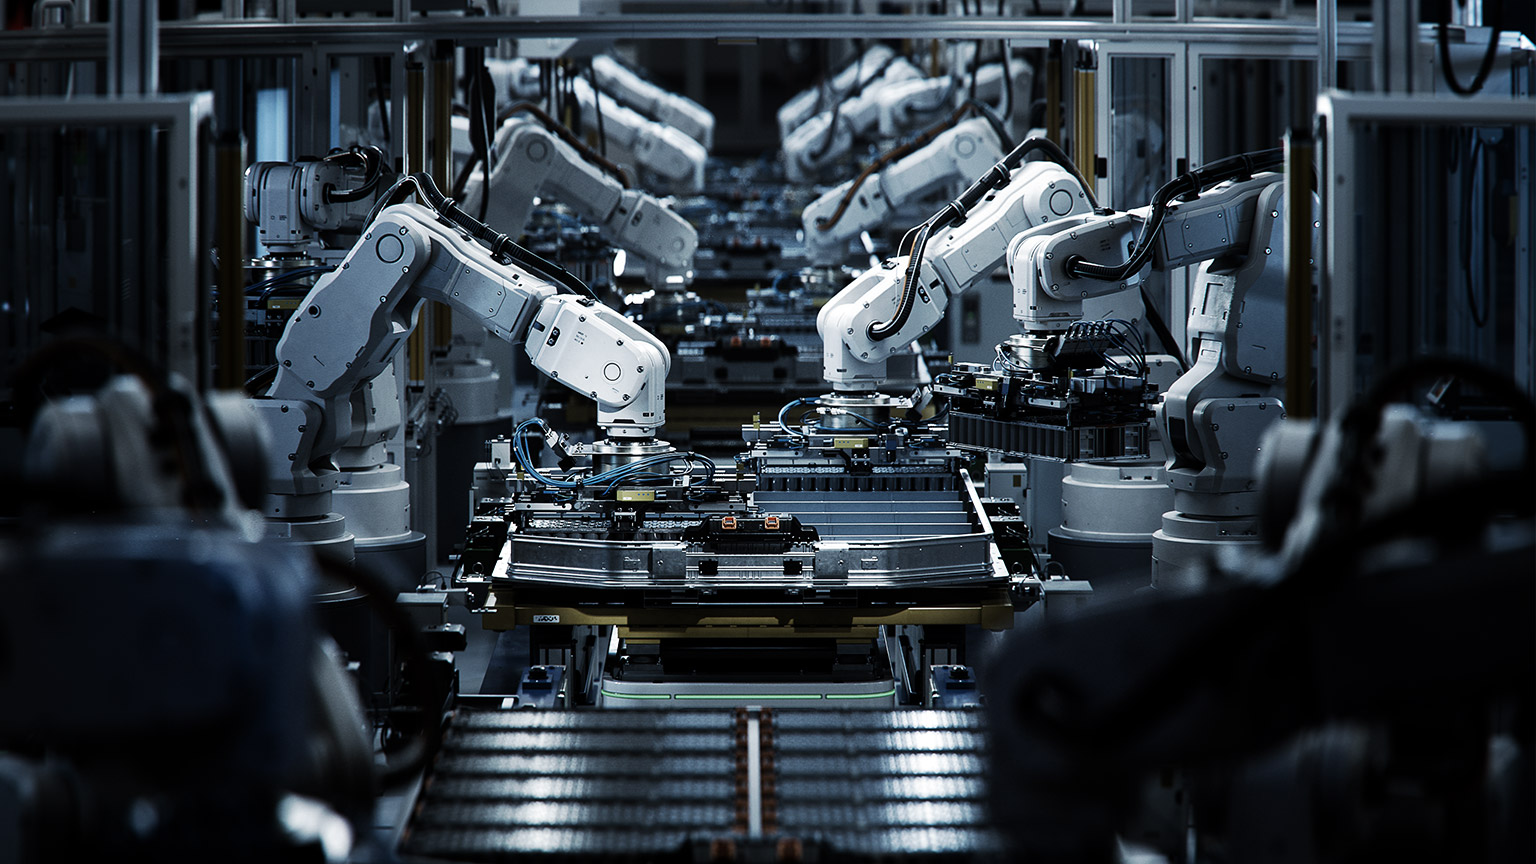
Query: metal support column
[133,48]
[1298,275]
[1395,43]
[229,228]
[1084,115]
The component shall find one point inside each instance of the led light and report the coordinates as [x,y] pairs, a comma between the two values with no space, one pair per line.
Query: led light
[620,258]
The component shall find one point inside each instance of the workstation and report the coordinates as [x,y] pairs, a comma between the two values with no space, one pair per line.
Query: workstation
[619,430]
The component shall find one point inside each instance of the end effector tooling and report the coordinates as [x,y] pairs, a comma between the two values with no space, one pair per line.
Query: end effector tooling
[357,317]
[855,353]
[533,162]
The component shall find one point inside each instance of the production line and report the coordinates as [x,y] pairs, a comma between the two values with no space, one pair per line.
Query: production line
[599,432]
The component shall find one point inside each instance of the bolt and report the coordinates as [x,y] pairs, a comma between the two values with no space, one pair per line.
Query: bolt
[1266,250]
[290,457]
[284,409]
[581,318]
[620,342]
[639,368]
[287,362]
[403,229]
[626,397]
[309,383]
[1223,454]
[383,299]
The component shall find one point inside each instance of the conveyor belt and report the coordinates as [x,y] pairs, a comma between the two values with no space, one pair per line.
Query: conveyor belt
[841,785]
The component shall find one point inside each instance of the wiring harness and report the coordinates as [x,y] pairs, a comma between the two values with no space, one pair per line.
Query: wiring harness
[640,470]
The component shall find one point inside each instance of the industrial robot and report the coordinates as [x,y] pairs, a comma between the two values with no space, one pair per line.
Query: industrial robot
[958,154]
[532,162]
[887,307]
[627,135]
[357,317]
[1228,217]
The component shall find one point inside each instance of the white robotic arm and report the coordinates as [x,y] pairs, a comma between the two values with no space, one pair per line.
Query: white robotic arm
[303,208]
[357,317]
[959,154]
[532,162]
[805,104]
[1214,414]
[830,134]
[663,106]
[630,137]
[963,254]
[906,104]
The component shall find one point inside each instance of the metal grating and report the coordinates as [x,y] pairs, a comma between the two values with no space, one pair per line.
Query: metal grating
[873,784]
[656,785]
[511,785]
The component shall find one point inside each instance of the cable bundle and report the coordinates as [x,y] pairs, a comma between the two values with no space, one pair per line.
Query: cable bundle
[637,470]
[1118,334]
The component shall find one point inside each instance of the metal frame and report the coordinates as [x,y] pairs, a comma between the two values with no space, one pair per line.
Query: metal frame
[256,38]
[182,117]
[1338,115]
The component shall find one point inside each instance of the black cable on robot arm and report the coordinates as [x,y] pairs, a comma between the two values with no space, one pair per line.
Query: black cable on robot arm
[955,211]
[373,163]
[500,244]
[1448,72]
[1191,183]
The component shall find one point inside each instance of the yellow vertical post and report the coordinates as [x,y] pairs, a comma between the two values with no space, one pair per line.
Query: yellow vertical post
[442,169]
[1084,117]
[415,160]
